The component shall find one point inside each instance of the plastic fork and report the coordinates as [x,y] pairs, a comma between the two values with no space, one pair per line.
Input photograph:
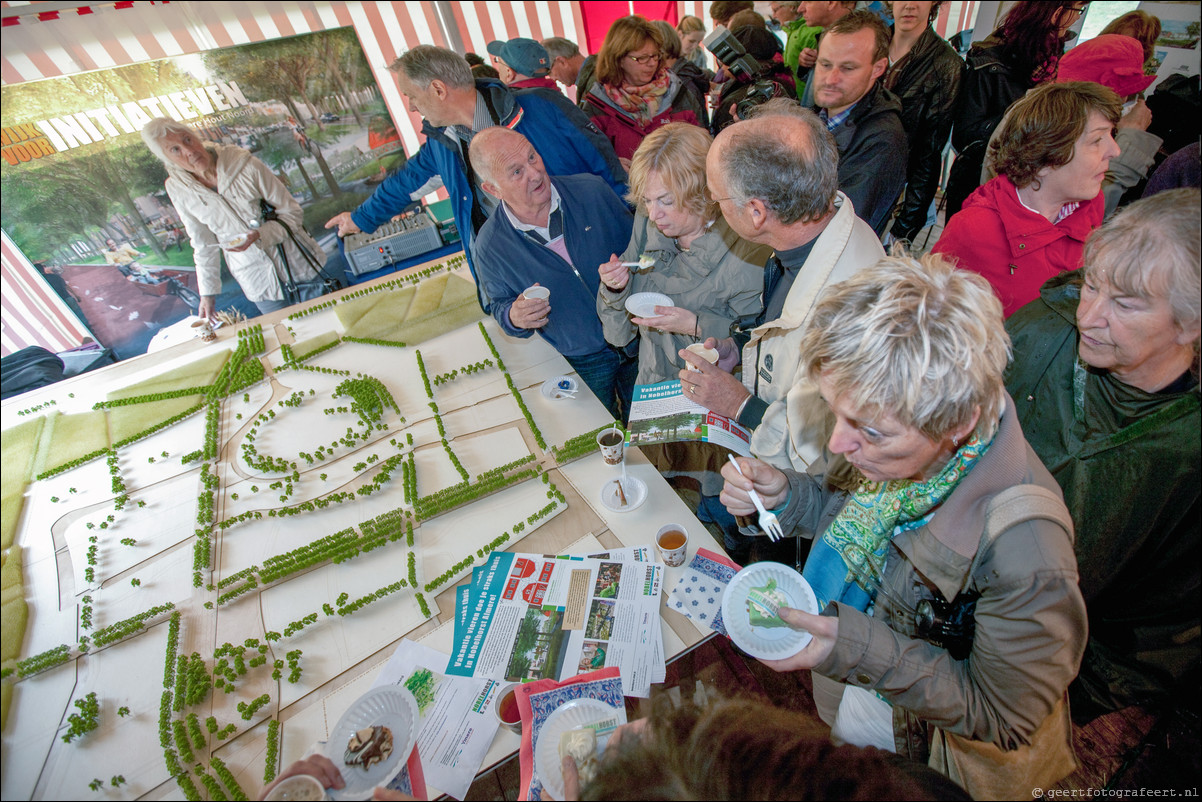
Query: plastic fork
[767,520]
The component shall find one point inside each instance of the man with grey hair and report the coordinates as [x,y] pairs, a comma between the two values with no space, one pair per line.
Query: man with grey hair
[775,177]
[569,66]
[438,84]
[552,232]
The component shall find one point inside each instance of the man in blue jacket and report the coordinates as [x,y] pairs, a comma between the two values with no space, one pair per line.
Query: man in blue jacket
[438,85]
[554,233]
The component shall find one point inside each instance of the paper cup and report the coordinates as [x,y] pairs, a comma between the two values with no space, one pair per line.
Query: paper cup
[298,787]
[536,292]
[506,708]
[612,442]
[672,540]
[708,354]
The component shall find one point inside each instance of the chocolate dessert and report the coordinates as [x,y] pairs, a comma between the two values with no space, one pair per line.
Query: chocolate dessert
[368,746]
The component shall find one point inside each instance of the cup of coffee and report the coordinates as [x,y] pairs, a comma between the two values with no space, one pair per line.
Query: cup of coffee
[708,354]
[611,441]
[298,787]
[531,293]
[506,708]
[673,543]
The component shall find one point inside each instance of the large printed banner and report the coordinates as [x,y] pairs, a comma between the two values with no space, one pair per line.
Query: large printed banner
[83,197]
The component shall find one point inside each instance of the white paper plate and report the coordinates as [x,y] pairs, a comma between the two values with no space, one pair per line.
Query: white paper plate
[554,388]
[393,707]
[769,643]
[569,716]
[235,242]
[642,304]
[635,490]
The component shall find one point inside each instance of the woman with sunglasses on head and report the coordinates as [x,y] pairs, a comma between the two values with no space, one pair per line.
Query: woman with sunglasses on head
[635,92]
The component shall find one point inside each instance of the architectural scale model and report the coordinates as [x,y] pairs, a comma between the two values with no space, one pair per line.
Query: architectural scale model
[216,546]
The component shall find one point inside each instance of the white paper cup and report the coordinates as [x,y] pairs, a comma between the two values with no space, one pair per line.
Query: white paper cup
[612,443]
[672,541]
[298,787]
[708,354]
[536,292]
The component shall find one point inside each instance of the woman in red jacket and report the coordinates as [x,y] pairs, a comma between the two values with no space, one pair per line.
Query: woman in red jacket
[1031,222]
[635,92]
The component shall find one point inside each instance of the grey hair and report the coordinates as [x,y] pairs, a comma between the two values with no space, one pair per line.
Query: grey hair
[426,63]
[795,175]
[558,47]
[916,339]
[1151,249]
[158,129]
[671,38]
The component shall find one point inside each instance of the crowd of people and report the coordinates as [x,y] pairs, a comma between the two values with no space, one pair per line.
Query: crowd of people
[1005,430]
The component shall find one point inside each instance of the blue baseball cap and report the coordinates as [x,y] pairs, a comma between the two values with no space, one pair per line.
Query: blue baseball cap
[524,56]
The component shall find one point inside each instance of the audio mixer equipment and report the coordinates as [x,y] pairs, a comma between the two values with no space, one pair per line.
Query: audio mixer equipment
[396,240]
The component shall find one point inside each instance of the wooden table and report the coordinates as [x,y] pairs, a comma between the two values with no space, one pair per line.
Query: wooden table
[342,656]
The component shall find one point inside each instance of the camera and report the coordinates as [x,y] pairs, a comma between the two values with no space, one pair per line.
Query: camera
[759,92]
[728,51]
[948,624]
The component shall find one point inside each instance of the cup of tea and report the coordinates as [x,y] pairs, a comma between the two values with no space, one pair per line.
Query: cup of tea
[297,787]
[708,354]
[672,540]
[536,292]
[506,708]
[611,441]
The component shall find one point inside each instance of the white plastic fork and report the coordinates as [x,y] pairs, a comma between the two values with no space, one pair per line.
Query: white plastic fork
[767,520]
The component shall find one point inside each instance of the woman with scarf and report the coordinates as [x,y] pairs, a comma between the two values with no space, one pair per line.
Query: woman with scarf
[635,92]
[220,192]
[943,554]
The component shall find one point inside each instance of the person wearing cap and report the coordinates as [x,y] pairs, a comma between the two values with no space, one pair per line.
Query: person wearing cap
[525,66]
[522,63]
[1116,62]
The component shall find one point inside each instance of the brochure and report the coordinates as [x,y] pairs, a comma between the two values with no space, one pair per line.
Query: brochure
[662,413]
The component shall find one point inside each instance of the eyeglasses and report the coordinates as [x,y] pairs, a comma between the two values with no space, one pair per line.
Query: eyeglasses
[641,60]
[1077,10]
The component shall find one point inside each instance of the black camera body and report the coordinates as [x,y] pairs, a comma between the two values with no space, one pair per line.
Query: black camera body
[726,48]
[951,625]
[759,92]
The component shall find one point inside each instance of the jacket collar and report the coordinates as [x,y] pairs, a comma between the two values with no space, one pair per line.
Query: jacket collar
[501,101]
[828,249]
[1028,231]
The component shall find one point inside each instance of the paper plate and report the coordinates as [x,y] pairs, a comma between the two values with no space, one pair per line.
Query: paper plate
[569,716]
[235,242]
[554,388]
[393,707]
[769,643]
[642,304]
[635,490]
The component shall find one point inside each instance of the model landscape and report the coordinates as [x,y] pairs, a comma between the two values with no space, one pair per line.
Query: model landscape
[208,550]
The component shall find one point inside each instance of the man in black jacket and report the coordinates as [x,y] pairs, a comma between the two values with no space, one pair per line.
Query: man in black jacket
[925,74]
[864,117]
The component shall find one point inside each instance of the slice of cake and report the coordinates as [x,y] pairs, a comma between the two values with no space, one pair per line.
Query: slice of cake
[763,606]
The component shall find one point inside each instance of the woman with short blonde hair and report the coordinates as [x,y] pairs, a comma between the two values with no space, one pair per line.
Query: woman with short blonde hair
[943,562]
